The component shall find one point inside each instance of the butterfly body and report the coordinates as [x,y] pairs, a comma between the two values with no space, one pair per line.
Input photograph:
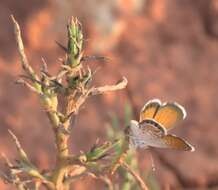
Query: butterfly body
[155,121]
[145,134]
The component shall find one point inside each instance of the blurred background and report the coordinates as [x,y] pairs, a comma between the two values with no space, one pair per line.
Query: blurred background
[167,49]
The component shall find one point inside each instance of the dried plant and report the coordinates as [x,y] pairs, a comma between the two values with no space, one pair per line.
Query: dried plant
[72,86]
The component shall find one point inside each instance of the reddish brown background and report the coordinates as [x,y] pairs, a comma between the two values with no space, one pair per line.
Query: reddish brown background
[167,49]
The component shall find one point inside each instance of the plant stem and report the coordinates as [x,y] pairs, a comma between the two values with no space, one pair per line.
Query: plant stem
[139,180]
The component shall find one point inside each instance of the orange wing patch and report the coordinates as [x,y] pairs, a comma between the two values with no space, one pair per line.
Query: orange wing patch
[174,142]
[169,114]
[149,109]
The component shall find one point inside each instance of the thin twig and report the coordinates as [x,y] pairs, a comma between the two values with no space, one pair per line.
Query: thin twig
[22,154]
[27,166]
[107,181]
[25,64]
[94,58]
[44,68]
[139,180]
[80,172]
[26,84]
[81,100]
[100,90]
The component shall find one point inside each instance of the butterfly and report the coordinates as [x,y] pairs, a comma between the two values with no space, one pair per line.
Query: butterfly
[156,119]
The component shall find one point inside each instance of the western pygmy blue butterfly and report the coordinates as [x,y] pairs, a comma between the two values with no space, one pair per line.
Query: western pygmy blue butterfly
[156,119]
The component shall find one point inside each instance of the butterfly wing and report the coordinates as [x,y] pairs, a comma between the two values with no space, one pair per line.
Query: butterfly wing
[150,126]
[173,142]
[145,133]
[149,109]
[169,114]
